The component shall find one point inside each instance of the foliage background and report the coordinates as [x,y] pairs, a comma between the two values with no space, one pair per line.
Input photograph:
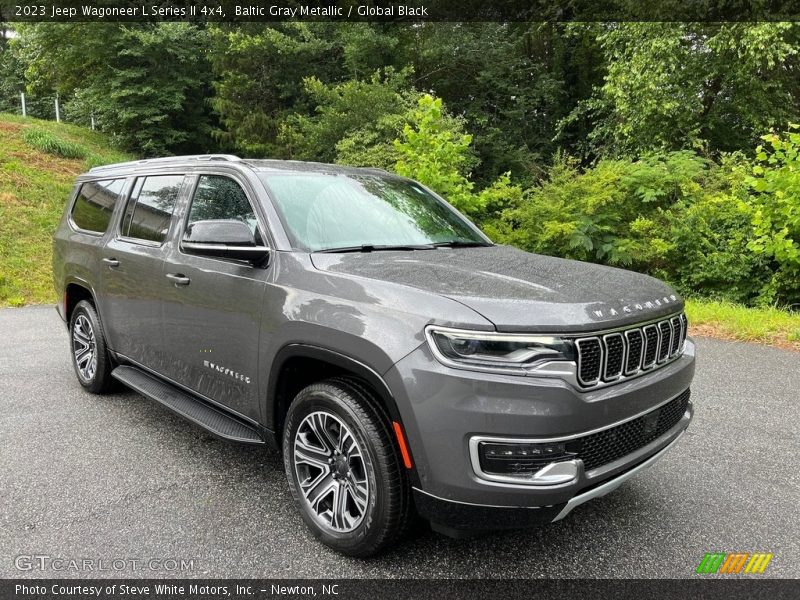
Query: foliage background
[663,147]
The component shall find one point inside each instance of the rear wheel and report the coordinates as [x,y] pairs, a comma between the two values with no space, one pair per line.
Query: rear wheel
[343,470]
[89,352]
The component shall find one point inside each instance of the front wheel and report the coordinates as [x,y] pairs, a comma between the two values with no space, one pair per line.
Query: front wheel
[343,469]
[89,353]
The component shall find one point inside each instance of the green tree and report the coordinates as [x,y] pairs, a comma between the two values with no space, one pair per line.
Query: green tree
[12,75]
[12,82]
[674,85]
[435,150]
[352,122]
[512,82]
[262,73]
[145,84]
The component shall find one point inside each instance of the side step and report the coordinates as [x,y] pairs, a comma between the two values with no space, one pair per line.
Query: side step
[213,419]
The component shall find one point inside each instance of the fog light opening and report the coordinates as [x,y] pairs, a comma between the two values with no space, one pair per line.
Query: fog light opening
[532,462]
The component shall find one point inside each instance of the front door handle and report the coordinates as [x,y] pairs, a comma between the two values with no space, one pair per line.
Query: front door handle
[178,279]
[111,262]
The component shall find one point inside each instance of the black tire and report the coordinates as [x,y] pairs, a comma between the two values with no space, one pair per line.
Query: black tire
[96,380]
[387,511]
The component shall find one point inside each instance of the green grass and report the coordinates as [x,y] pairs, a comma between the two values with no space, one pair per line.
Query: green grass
[46,141]
[35,183]
[735,322]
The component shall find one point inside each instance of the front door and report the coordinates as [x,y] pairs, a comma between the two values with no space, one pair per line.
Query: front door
[212,313]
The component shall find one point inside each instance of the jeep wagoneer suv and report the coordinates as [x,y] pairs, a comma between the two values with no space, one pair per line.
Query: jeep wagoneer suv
[352,319]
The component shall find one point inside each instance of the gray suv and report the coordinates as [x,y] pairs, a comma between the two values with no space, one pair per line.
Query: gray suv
[353,320]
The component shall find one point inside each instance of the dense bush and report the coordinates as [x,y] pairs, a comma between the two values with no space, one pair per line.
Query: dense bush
[711,233]
[776,205]
[618,212]
[724,229]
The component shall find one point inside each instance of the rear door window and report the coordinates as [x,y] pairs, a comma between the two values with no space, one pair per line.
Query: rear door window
[95,204]
[149,211]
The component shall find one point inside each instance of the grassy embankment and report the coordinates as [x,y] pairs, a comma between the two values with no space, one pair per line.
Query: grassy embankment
[38,164]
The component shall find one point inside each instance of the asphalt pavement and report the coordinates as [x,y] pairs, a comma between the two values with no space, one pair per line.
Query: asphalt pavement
[119,478]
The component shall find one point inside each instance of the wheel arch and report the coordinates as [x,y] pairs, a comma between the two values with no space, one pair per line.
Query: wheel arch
[76,290]
[281,388]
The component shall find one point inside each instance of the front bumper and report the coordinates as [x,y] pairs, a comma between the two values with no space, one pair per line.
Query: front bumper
[459,518]
[444,410]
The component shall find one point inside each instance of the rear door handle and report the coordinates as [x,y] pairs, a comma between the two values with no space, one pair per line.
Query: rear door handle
[111,262]
[178,279]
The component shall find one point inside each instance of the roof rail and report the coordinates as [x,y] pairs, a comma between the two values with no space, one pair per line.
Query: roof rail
[168,159]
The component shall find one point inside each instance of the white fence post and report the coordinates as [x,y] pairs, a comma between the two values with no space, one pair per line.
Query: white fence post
[24,109]
[58,114]
[92,121]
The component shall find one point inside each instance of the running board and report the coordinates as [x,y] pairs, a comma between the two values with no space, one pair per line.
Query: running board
[215,420]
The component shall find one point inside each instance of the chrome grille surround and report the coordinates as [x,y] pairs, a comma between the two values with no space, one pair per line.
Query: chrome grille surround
[590,352]
[665,341]
[613,356]
[658,343]
[677,334]
[634,350]
[652,338]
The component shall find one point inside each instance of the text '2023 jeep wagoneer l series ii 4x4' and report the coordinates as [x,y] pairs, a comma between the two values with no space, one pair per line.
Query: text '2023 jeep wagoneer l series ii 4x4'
[352,319]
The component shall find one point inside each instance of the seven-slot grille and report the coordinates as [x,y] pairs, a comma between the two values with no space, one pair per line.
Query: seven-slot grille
[625,353]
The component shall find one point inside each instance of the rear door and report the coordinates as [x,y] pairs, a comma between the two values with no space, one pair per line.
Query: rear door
[133,285]
[212,311]
[81,237]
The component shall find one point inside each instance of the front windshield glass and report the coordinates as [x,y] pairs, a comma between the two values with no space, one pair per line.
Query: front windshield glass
[332,211]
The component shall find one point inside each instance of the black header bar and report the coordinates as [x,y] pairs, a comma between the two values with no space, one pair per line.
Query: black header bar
[66,11]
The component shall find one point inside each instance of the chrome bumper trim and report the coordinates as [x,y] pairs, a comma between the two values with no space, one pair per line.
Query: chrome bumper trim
[613,484]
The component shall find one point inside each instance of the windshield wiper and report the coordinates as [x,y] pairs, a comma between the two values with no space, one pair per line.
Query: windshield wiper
[461,244]
[379,247]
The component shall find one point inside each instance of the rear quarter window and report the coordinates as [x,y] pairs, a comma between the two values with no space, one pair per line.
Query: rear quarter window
[95,204]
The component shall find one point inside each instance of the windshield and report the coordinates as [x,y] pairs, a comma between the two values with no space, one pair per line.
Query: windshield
[332,211]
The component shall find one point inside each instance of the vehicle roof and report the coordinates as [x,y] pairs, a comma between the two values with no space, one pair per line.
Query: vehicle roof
[195,160]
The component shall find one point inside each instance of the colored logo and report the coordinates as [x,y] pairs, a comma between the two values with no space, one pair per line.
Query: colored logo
[734,562]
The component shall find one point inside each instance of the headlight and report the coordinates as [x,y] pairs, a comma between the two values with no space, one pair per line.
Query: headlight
[496,351]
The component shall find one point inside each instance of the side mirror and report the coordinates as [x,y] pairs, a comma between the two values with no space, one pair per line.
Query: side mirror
[223,238]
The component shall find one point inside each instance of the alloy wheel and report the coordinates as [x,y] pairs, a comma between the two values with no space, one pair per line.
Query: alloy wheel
[84,348]
[331,471]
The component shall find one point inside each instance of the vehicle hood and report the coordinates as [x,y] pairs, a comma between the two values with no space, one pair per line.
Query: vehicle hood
[517,290]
